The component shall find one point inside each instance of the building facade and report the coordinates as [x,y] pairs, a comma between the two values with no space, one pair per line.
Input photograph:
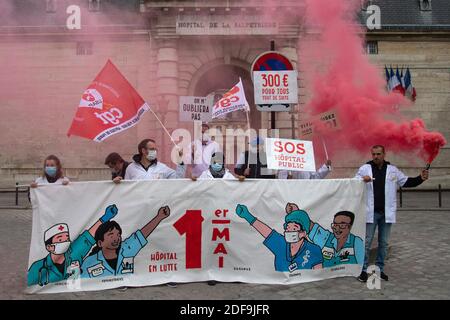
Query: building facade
[168,49]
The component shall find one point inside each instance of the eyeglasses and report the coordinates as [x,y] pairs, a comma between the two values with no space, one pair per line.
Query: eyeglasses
[377,154]
[340,225]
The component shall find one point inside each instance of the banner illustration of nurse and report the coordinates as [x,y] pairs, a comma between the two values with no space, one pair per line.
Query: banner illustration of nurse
[111,256]
[65,257]
[292,251]
[338,246]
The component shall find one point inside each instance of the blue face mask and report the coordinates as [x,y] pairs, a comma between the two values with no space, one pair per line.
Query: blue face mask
[51,171]
[216,167]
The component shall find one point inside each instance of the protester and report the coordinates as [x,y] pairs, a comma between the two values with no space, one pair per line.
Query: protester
[147,167]
[52,173]
[253,163]
[382,180]
[117,165]
[323,171]
[201,150]
[217,168]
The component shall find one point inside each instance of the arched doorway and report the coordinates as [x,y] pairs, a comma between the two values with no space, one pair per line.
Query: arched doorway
[216,81]
[219,79]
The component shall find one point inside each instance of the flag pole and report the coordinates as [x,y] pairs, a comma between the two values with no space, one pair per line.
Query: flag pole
[163,127]
[326,152]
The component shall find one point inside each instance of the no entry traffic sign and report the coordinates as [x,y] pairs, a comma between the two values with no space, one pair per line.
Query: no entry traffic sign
[275,82]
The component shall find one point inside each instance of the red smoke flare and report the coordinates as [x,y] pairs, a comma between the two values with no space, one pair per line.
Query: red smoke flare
[341,78]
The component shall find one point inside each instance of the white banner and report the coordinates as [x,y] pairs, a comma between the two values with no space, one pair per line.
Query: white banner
[98,235]
[231,101]
[275,87]
[287,154]
[195,109]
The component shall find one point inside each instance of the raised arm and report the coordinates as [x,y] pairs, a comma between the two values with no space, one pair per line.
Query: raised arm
[261,227]
[162,214]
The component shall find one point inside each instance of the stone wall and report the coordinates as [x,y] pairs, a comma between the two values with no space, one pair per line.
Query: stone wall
[42,80]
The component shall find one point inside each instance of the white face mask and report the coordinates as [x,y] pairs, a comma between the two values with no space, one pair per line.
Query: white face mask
[61,247]
[206,138]
[151,155]
[291,236]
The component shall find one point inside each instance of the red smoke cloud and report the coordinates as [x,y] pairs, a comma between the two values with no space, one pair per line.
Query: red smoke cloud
[341,78]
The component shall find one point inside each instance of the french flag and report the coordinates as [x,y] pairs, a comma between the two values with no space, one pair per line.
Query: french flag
[395,83]
[410,91]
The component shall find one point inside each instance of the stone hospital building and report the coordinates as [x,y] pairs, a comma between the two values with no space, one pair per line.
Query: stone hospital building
[168,49]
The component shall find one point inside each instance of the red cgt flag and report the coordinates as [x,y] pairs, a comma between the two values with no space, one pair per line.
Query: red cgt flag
[108,106]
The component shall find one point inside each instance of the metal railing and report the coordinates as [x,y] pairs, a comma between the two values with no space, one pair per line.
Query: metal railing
[17,190]
[439,191]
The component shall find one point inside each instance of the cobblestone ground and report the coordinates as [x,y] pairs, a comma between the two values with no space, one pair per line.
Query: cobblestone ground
[418,267]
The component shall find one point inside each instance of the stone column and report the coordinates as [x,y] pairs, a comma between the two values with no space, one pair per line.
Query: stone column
[167,93]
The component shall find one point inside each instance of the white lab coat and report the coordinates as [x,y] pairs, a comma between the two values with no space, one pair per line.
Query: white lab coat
[202,156]
[319,174]
[43,180]
[135,171]
[394,179]
[207,175]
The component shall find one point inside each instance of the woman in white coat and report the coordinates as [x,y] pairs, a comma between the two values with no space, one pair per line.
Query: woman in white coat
[51,173]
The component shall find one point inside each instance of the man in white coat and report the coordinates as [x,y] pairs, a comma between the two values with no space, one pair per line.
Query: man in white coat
[382,180]
[147,167]
[201,150]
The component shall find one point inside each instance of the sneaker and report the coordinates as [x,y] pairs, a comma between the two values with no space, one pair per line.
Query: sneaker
[171,284]
[384,276]
[212,282]
[363,277]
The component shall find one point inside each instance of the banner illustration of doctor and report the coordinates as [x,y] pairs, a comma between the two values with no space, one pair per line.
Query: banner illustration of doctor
[339,246]
[65,257]
[292,251]
[111,256]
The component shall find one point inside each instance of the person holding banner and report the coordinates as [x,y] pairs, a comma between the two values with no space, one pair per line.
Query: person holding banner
[147,167]
[382,180]
[52,173]
[293,251]
[254,164]
[65,257]
[323,171]
[217,169]
[201,152]
[117,165]
[113,256]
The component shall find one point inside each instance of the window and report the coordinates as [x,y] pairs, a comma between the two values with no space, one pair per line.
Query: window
[84,48]
[425,5]
[372,47]
[365,4]
[50,6]
[94,5]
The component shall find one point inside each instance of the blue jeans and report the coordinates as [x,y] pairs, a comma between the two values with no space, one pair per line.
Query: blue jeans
[384,231]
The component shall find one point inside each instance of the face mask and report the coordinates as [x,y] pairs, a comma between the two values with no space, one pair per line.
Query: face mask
[206,138]
[216,167]
[51,171]
[151,155]
[61,247]
[291,236]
